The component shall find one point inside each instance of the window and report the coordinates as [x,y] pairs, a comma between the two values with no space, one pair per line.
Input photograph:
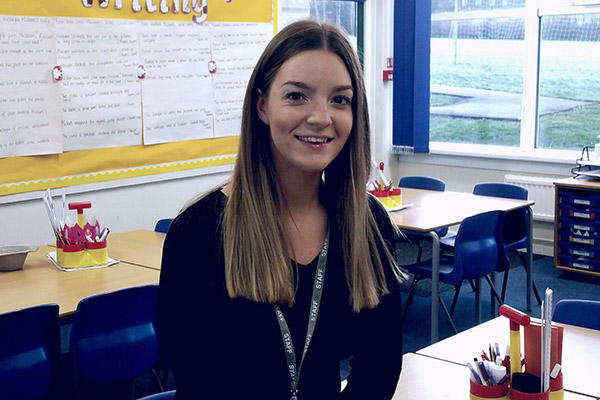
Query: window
[519,73]
[343,13]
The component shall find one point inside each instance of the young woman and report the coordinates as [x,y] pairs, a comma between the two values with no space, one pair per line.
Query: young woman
[268,282]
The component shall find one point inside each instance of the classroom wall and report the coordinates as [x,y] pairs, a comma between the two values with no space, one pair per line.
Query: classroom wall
[133,204]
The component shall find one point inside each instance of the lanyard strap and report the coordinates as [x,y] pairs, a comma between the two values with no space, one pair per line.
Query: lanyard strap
[290,356]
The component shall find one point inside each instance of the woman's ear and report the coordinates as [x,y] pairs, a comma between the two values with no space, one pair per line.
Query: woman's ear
[261,108]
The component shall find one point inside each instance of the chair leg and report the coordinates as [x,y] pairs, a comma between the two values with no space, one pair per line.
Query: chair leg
[472,284]
[496,295]
[155,374]
[448,315]
[504,282]
[411,295]
[455,298]
[535,291]
[419,252]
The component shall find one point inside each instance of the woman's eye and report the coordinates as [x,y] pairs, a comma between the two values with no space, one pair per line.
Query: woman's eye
[342,100]
[294,96]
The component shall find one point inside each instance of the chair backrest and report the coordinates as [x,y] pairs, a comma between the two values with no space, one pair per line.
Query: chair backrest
[113,337]
[427,183]
[422,182]
[29,352]
[584,313]
[162,225]
[515,222]
[478,244]
[160,396]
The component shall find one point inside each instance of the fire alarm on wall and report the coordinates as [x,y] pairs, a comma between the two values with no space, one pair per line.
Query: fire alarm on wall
[388,72]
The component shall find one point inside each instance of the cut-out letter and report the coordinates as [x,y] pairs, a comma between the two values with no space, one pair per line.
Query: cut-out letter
[150,7]
[136,6]
[164,8]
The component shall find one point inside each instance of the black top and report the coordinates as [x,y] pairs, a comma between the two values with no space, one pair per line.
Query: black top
[232,348]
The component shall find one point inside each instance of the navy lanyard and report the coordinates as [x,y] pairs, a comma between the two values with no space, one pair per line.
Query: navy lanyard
[290,356]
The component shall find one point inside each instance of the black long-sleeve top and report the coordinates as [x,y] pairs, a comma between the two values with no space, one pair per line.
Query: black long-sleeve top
[223,348]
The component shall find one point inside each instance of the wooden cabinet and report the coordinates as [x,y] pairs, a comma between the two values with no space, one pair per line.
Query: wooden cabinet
[577,225]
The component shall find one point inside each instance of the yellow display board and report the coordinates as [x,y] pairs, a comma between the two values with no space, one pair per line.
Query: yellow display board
[29,173]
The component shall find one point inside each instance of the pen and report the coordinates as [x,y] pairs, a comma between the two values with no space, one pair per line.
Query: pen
[497,347]
[484,375]
[474,375]
[504,378]
[484,356]
[103,234]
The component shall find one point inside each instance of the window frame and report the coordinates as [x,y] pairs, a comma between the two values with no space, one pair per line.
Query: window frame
[533,12]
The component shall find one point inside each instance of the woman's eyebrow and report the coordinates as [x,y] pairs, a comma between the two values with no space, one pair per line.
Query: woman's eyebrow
[296,83]
[303,85]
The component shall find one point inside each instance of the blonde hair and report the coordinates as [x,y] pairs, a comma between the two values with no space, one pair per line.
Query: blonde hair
[257,264]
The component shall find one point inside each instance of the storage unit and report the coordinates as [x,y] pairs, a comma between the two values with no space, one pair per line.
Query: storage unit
[577,225]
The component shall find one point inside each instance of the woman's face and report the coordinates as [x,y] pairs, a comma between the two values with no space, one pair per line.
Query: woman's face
[309,111]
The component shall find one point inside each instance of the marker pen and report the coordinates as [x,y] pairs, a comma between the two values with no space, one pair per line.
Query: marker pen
[484,375]
[474,375]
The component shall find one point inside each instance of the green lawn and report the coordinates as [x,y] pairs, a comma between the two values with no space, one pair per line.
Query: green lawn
[498,65]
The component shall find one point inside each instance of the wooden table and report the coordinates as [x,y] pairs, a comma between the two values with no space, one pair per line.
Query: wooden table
[432,210]
[40,282]
[425,378]
[141,247]
[581,351]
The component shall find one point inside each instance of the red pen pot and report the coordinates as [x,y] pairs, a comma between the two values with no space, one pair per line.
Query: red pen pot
[498,392]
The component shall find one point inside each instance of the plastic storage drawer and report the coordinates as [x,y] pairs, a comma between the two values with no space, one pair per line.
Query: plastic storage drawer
[580,228]
[583,199]
[567,210]
[572,249]
[567,236]
[580,263]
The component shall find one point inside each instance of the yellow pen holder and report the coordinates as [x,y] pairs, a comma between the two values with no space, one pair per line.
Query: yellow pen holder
[81,254]
[390,199]
[481,392]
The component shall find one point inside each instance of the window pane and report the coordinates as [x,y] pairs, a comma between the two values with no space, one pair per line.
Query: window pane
[340,13]
[476,75]
[569,104]
[473,5]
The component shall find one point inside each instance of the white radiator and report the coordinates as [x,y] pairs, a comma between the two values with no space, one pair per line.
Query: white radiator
[541,190]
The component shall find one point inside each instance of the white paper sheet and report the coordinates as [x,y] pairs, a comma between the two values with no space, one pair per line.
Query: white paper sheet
[176,92]
[29,99]
[100,89]
[235,49]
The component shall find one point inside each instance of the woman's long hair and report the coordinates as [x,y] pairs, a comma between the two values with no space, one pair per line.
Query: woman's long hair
[257,264]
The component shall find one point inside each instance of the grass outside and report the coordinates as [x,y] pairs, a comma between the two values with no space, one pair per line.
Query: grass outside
[568,70]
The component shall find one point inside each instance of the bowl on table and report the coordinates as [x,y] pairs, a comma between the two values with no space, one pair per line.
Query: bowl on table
[12,258]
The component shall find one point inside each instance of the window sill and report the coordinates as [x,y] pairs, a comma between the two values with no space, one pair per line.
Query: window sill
[538,161]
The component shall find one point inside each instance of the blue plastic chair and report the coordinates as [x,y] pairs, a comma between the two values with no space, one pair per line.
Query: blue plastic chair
[476,252]
[426,183]
[113,337]
[162,225]
[584,313]
[29,352]
[160,396]
[514,231]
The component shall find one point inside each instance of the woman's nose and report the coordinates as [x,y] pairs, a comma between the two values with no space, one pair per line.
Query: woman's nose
[320,115]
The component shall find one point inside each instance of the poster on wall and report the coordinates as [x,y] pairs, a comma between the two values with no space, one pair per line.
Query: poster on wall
[89,74]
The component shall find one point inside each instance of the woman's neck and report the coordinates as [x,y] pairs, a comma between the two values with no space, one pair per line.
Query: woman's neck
[300,191]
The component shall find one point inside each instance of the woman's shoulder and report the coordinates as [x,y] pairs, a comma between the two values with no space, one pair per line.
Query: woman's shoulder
[204,212]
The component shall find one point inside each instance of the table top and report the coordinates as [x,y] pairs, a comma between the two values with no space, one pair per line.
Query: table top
[141,247]
[432,210]
[581,351]
[40,282]
[423,377]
